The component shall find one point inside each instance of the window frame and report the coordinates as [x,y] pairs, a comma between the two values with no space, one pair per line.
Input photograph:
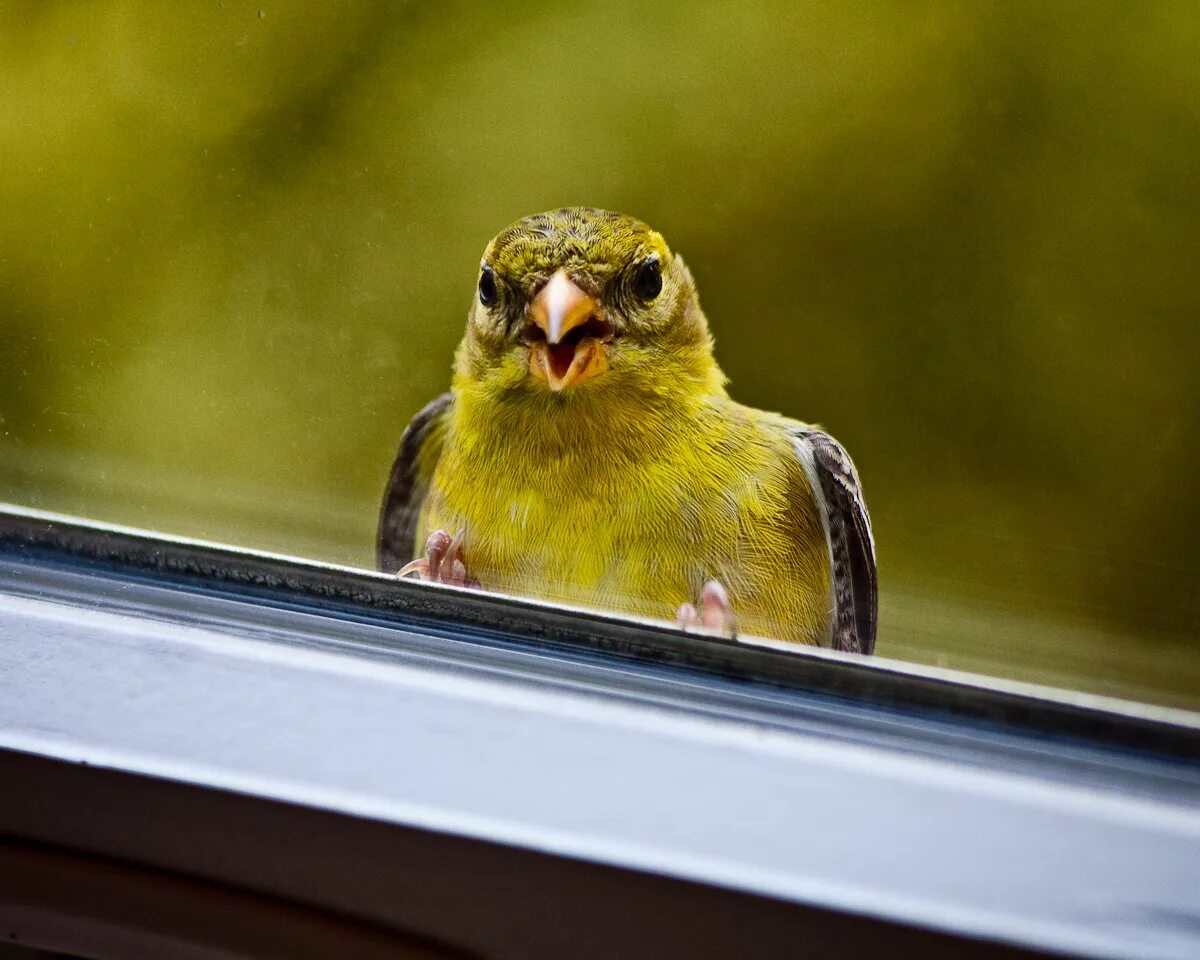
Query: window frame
[133,661]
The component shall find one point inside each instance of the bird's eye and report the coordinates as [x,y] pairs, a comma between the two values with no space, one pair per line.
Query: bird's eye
[487,286]
[647,282]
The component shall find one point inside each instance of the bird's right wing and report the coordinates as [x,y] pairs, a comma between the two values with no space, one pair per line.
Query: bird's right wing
[834,483]
[420,448]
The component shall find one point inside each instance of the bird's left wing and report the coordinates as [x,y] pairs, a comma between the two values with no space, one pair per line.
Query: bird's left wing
[420,448]
[834,483]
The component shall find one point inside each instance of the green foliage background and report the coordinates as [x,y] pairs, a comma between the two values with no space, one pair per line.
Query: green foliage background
[237,243]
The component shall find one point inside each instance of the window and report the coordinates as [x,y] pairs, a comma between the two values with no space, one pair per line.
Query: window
[239,250]
[239,256]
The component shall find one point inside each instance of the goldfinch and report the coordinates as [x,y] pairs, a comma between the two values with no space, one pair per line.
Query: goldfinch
[588,453]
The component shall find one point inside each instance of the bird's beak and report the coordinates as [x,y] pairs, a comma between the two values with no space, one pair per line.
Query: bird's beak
[568,336]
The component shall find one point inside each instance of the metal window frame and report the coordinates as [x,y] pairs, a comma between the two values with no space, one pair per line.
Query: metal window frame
[515,779]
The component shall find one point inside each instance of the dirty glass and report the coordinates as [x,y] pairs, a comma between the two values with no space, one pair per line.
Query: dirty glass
[238,243]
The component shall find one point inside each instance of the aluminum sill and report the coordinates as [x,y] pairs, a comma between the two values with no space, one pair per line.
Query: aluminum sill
[921,799]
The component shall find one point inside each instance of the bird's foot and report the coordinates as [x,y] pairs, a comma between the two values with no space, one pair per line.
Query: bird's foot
[443,562]
[715,615]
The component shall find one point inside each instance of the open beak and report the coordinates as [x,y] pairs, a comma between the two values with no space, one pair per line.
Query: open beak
[567,334]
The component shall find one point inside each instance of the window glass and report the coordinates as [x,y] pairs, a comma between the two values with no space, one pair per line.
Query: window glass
[239,243]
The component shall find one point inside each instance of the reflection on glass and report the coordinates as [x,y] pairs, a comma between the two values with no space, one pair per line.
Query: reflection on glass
[236,251]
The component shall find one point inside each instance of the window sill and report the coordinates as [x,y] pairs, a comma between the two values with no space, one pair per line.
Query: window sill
[520,780]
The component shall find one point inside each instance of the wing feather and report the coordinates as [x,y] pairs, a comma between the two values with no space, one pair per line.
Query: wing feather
[834,483]
[408,484]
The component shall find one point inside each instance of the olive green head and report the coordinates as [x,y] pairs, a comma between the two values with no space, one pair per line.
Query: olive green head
[581,299]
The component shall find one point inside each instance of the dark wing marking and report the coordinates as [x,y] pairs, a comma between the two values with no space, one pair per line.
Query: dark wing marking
[407,486]
[834,481]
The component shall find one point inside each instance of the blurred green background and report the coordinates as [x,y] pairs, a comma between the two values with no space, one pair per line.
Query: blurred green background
[238,241]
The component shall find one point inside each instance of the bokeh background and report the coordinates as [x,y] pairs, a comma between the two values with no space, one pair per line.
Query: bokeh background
[237,244]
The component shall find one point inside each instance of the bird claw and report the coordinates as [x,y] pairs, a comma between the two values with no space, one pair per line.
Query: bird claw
[443,562]
[715,615]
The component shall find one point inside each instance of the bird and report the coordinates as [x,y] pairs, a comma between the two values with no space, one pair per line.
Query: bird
[589,453]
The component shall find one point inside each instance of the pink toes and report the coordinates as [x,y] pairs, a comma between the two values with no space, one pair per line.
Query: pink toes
[443,562]
[715,615]
[715,612]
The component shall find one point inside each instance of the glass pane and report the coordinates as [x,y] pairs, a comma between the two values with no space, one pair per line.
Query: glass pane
[240,241]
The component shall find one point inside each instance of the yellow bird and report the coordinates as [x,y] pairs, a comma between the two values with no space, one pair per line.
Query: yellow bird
[588,453]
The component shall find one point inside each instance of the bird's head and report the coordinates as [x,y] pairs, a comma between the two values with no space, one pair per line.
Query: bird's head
[579,300]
